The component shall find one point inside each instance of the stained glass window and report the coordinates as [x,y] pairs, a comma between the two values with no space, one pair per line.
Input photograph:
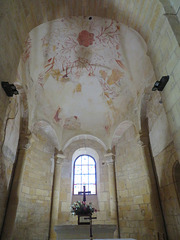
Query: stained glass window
[84,174]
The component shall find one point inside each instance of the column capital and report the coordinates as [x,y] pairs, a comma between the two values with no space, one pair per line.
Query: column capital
[110,161]
[59,157]
[109,158]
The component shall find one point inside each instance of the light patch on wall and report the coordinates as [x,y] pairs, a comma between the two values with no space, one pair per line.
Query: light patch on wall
[78,88]
[72,123]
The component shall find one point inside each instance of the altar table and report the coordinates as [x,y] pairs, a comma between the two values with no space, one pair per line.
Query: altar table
[83,231]
[74,232]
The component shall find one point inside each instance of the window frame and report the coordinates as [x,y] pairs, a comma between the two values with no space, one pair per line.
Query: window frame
[81,155]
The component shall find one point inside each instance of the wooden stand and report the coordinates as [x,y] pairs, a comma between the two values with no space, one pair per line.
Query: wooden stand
[90,218]
[82,219]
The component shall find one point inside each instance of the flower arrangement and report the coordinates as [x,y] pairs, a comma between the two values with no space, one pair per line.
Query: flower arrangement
[81,208]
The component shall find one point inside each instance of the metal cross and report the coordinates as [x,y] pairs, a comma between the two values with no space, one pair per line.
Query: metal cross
[84,193]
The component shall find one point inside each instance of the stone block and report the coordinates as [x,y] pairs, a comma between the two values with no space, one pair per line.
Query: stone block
[138,199]
[104,196]
[176,114]
[135,207]
[101,206]
[173,60]
[176,72]
[155,17]
[146,198]
[63,196]
[65,207]
[177,51]
[25,189]
[42,192]
[101,216]
[124,193]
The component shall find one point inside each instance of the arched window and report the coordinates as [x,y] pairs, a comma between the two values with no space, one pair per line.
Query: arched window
[84,174]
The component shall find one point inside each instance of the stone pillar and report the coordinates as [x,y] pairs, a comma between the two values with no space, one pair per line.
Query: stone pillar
[176,138]
[112,185]
[15,191]
[155,201]
[58,159]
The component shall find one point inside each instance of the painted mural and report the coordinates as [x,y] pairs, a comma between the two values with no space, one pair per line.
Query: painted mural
[27,49]
[79,71]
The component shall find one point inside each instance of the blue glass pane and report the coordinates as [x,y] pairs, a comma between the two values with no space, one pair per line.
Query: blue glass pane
[77,169]
[92,188]
[92,179]
[85,160]
[77,188]
[91,161]
[84,179]
[92,169]
[77,179]
[84,169]
[78,161]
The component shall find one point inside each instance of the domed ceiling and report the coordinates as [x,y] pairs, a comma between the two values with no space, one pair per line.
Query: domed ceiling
[84,75]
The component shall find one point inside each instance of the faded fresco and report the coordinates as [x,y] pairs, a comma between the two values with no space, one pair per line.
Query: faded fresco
[80,71]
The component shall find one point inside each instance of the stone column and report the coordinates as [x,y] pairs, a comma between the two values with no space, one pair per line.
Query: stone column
[58,159]
[156,201]
[15,191]
[112,185]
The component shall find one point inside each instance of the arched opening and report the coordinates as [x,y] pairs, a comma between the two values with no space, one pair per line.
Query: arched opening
[84,174]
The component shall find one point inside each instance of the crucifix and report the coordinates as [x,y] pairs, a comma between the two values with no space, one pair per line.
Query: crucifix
[84,193]
[88,217]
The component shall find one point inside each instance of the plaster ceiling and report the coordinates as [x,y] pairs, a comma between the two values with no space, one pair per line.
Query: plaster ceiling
[84,75]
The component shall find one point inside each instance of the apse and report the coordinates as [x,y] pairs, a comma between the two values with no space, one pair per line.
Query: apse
[84,75]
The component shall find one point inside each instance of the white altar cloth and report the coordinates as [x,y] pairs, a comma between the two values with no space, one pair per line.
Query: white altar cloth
[75,232]
[83,231]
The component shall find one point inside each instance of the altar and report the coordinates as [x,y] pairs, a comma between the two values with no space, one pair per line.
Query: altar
[82,232]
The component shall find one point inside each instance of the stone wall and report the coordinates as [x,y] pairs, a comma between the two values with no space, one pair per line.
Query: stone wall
[161,33]
[101,201]
[164,157]
[9,136]
[176,7]
[33,210]
[138,206]
[149,18]
[171,208]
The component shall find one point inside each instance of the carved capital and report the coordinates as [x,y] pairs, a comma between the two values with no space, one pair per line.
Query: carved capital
[109,158]
[59,157]
[110,161]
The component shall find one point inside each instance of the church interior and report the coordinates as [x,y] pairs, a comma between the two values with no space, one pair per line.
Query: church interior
[84,114]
